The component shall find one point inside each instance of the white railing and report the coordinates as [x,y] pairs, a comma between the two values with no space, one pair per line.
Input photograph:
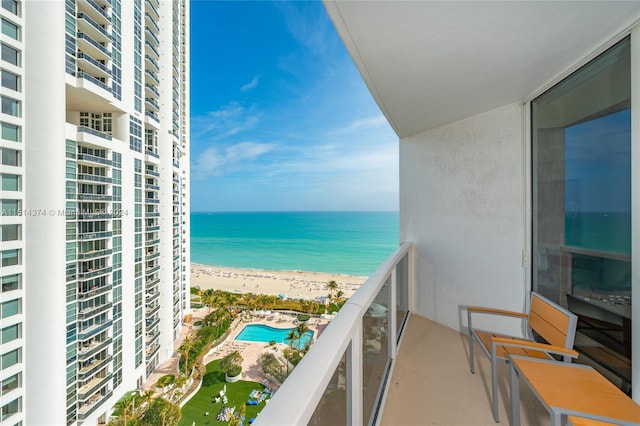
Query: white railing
[343,377]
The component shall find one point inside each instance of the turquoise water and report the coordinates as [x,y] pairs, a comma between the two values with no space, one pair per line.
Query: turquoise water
[354,243]
[264,333]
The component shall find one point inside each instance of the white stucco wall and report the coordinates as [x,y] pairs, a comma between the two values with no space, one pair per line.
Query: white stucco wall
[462,201]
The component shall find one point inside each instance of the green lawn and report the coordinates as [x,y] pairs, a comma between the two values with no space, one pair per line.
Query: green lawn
[212,383]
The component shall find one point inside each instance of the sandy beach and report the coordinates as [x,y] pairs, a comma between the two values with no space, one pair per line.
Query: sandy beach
[294,284]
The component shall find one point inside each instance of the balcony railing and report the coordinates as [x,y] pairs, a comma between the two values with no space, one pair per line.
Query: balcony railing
[350,364]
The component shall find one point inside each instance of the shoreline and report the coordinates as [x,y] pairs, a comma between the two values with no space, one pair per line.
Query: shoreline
[293,284]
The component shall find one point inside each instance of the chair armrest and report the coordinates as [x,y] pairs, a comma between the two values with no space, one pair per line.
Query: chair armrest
[527,344]
[481,310]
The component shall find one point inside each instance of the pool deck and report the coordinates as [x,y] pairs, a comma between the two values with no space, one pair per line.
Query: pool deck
[251,351]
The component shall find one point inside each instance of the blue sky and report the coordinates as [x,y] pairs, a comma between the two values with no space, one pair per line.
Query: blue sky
[280,117]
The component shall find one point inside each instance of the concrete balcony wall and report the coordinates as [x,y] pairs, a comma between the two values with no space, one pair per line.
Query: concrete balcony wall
[463,195]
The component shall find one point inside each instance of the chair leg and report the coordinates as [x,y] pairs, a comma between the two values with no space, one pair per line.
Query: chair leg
[494,387]
[470,332]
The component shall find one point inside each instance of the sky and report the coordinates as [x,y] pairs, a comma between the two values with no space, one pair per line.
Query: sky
[281,120]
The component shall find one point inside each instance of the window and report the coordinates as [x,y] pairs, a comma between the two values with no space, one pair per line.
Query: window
[10,333]
[10,157]
[11,358]
[10,106]
[10,308]
[581,153]
[10,80]
[10,257]
[10,283]
[11,408]
[10,207]
[9,182]
[10,132]
[10,55]
[11,6]
[10,29]
[11,383]
[9,232]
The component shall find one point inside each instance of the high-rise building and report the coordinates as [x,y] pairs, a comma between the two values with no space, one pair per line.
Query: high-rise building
[94,198]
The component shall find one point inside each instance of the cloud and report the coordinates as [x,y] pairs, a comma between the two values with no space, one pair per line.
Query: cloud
[364,124]
[229,120]
[251,85]
[216,161]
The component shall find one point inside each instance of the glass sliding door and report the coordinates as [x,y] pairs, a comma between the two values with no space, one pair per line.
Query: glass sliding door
[581,153]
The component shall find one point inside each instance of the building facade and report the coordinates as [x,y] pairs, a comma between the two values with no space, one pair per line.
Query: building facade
[94,196]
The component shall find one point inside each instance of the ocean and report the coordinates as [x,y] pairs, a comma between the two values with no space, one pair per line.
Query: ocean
[353,243]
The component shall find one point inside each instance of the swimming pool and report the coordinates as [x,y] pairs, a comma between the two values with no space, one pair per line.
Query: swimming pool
[264,333]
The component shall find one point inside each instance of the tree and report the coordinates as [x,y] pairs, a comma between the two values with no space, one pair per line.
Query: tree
[291,337]
[126,407]
[300,329]
[237,419]
[162,413]
[332,286]
[185,349]
[165,381]
[232,363]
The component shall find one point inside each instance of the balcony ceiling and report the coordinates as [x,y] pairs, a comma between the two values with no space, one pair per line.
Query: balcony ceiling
[428,63]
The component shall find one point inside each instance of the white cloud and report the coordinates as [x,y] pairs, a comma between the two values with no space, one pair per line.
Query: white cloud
[216,161]
[364,123]
[229,120]
[251,85]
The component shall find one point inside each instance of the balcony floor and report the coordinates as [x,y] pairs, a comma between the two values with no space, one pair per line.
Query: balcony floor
[432,384]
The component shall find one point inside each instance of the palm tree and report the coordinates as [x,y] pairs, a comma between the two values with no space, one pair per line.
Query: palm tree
[332,286]
[300,329]
[184,350]
[339,295]
[146,397]
[291,337]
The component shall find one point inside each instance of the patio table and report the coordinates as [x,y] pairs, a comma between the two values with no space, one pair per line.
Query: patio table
[566,389]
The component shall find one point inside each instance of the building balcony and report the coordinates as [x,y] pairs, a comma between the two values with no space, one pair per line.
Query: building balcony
[103,135]
[88,158]
[85,391]
[151,48]
[151,172]
[151,36]
[94,235]
[92,312]
[152,310]
[98,13]
[155,15]
[149,20]
[95,197]
[87,44]
[88,350]
[152,296]
[93,330]
[152,270]
[151,256]
[377,364]
[94,254]
[152,350]
[86,409]
[93,365]
[92,66]
[89,26]
[151,90]
[94,292]
[93,178]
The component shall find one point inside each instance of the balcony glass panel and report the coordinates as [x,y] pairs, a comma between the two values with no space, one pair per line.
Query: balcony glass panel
[375,350]
[402,294]
[332,408]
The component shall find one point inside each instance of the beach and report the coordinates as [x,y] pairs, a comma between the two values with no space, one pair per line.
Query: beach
[293,284]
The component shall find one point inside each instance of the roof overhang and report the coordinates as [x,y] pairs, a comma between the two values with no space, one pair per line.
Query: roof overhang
[429,63]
